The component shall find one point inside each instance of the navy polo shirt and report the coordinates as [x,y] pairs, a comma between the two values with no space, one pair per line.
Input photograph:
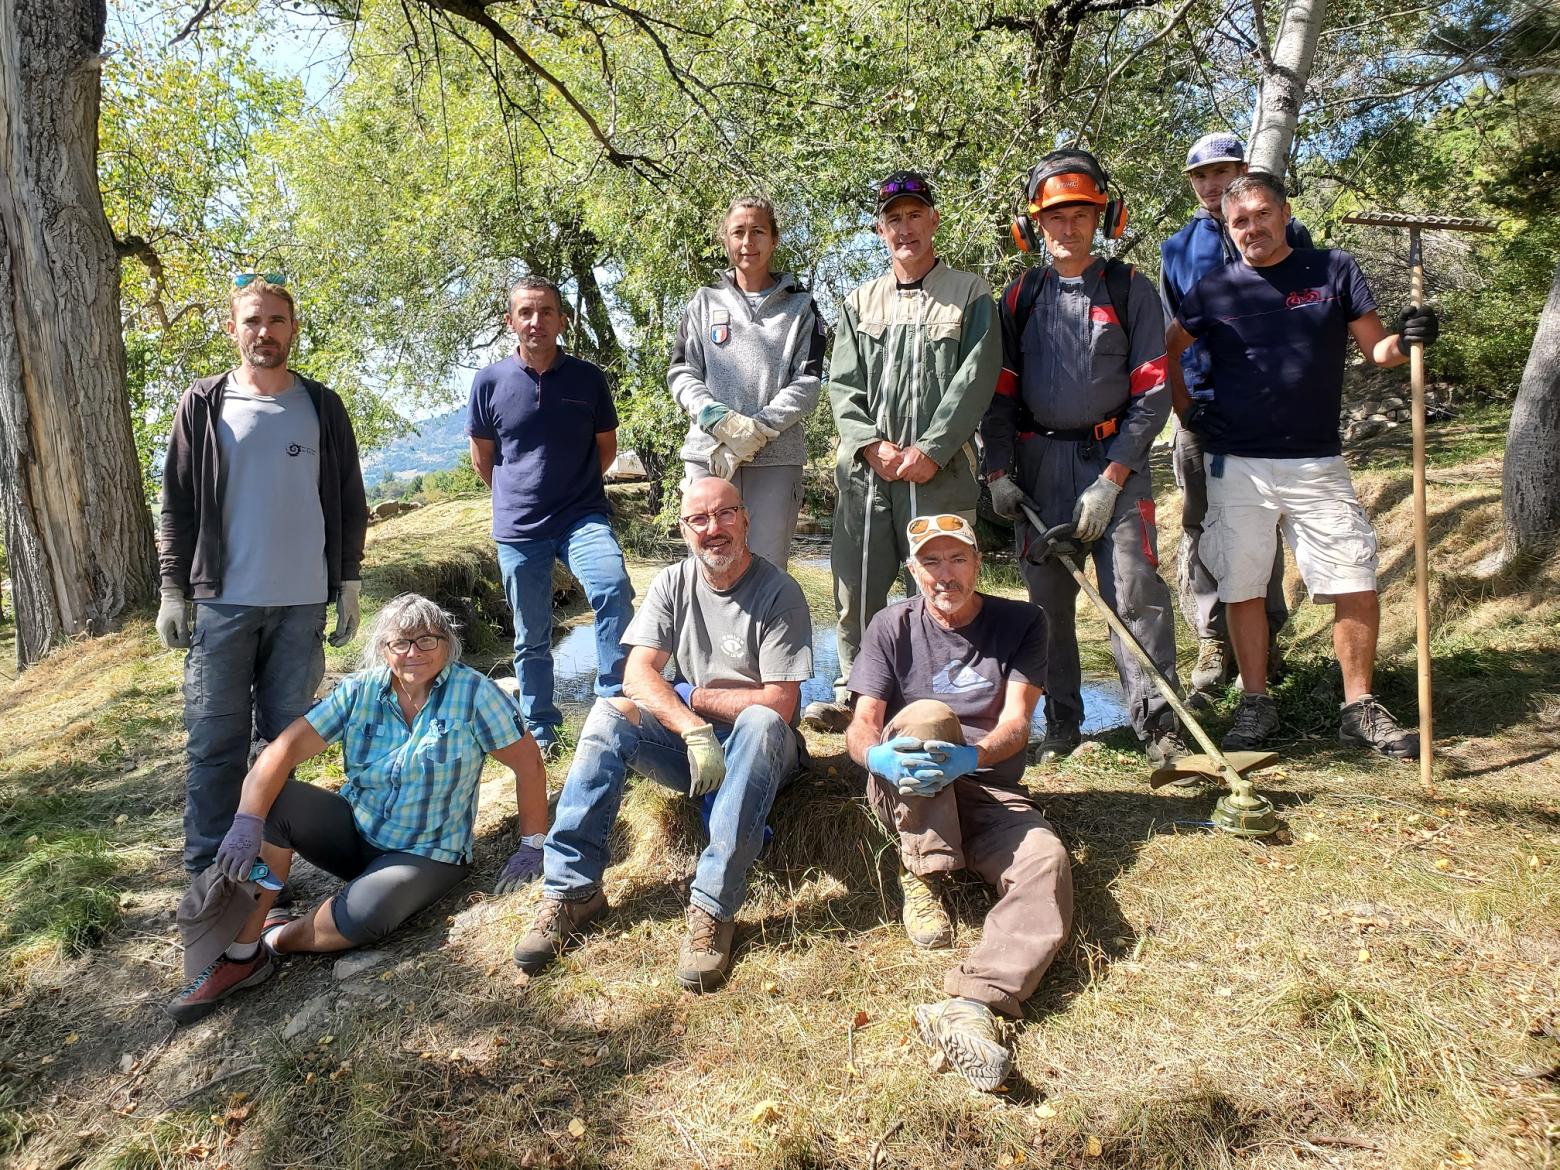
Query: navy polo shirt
[1277,340]
[546,470]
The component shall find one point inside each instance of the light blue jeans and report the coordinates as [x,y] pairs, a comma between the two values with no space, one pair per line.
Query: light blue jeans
[591,551]
[761,758]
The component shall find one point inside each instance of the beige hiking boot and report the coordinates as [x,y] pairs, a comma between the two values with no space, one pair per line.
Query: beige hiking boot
[926,919]
[967,1033]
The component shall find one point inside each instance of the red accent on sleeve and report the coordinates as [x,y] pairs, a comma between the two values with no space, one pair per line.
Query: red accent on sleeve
[1147,376]
[1146,527]
[1007,383]
[1012,295]
[1104,314]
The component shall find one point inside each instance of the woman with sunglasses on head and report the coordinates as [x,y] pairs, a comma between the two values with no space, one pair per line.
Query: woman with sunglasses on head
[747,370]
[415,725]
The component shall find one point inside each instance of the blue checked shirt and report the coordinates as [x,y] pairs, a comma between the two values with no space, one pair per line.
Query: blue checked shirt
[414,789]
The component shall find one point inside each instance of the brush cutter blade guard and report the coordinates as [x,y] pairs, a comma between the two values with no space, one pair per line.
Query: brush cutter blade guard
[1206,767]
[1053,542]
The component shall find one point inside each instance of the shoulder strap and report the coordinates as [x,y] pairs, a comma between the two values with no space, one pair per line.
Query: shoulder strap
[1118,283]
[1022,296]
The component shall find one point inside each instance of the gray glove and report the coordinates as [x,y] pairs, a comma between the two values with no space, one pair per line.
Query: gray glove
[1092,512]
[173,619]
[1008,499]
[745,436]
[239,849]
[723,461]
[706,760]
[348,604]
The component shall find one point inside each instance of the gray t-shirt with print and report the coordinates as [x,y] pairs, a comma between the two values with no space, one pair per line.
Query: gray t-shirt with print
[273,529]
[758,631]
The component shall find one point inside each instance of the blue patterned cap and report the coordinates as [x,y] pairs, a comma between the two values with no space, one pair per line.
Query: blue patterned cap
[1215,148]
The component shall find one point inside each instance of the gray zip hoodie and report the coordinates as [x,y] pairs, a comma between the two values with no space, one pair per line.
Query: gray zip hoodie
[765,363]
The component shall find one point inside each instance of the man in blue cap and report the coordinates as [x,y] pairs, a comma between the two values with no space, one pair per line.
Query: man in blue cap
[1214,161]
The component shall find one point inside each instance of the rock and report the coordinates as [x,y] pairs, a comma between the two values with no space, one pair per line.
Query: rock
[1088,747]
[1393,403]
[1365,409]
[356,962]
[1364,429]
[308,1014]
[1378,417]
[126,1062]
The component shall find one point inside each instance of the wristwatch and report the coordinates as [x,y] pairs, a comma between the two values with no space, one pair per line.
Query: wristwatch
[535,840]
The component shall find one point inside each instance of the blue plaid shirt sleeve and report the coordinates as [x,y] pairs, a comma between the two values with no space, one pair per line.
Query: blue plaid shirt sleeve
[495,720]
[329,716]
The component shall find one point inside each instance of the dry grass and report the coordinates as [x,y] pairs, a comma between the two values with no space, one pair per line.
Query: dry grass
[1378,988]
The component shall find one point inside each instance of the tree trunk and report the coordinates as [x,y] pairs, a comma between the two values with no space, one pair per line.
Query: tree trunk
[77,530]
[1531,481]
[1284,76]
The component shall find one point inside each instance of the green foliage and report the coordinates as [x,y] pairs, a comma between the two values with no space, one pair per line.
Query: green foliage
[459,481]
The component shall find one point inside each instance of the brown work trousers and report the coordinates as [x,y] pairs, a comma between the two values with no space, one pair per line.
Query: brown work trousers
[1000,835]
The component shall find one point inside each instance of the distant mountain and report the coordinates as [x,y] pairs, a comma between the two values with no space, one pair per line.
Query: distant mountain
[435,445]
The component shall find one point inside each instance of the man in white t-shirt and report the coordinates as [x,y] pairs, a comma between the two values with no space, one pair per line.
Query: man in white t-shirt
[723,732]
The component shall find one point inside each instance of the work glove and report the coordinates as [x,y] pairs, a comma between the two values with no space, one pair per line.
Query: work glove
[1092,512]
[706,760]
[524,865]
[1008,499]
[1417,324]
[745,436]
[173,619]
[684,692]
[239,849]
[1203,419]
[723,462]
[347,612]
[952,759]
[900,761]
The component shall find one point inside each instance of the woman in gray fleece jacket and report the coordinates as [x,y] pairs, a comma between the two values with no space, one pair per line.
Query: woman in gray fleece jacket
[747,369]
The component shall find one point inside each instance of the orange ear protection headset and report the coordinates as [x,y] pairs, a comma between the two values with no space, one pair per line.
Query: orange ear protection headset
[1061,177]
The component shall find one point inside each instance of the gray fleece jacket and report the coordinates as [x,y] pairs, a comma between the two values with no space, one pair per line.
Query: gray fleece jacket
[765,363]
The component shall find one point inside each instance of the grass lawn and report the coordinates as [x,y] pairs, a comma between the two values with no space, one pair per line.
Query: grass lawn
[1379,986]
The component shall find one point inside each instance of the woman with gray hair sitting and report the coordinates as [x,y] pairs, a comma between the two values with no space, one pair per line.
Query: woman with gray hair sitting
[415,725]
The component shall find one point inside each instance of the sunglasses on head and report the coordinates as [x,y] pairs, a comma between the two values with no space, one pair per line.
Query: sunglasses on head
[903,185]
[245,279]
[943,523]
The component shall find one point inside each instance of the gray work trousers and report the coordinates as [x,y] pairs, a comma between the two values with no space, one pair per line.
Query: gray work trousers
[999,834]
[1054,472]
[1198,589]
[773,497]
[870,546]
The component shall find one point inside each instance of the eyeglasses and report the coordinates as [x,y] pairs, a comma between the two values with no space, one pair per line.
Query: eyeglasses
[425,643]
[943,523]
[903,185]
[245,279]
[700,521]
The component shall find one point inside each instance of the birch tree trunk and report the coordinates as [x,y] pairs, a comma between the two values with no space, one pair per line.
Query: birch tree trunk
[77,529]
[1530,503]
[1284,76]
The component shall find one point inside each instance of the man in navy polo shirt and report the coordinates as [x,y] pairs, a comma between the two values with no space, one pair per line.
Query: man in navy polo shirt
[1213,162]
[543,431]
[1277,328]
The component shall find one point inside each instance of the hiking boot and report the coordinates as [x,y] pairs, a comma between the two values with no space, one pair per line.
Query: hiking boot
[706,951]
[926,919]
[1366,723]
[1213,664]
[202,994]
[822,716]
[1059,742]
[1255,719]
[557,924]
[1165,746]
[965,1031]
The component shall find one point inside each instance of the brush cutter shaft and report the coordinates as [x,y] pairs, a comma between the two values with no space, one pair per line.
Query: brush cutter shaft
[1440,223]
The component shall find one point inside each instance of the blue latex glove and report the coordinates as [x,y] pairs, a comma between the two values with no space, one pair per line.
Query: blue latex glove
[685,693]
[899,760]
[710,415]
[953,759]
[236,855]
[524,865]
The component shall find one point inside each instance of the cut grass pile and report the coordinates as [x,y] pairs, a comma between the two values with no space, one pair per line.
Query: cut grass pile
[1379,987]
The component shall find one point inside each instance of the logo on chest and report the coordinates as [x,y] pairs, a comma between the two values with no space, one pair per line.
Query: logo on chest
[958,678]
[733,646]
[1302,297]
[720,326]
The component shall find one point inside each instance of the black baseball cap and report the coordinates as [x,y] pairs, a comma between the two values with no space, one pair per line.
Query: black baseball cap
[901,185]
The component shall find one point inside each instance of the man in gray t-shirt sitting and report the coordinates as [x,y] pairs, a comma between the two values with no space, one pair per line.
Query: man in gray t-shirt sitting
[723,732]
[946,685]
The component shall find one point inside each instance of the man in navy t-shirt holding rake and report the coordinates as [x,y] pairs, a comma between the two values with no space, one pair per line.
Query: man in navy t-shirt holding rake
[543,432]
[1276,328]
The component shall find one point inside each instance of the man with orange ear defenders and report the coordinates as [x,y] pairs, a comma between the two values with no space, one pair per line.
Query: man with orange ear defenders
[1081,397]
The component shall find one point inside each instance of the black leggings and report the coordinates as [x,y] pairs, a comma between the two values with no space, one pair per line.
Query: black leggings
[383,889]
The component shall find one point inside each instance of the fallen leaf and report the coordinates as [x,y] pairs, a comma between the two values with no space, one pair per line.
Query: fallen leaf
[861,1020]
[71,1039]
[1093,1147]
[576,1128]
[1045,1109]
[1364,955]
[1224,992]
[771,987]
[1443,864]
[121,818]
[766,1112]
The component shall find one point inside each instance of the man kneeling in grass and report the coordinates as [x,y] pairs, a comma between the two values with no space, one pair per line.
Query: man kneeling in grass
[415,724]
[946,685]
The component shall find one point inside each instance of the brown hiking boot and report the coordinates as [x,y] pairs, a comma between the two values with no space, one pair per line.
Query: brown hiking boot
[202,994]
[926,919]
[1213,664]
[557,924]
[966,1032]
[706,951]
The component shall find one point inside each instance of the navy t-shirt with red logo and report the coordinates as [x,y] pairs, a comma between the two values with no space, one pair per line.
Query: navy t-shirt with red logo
[1277,338]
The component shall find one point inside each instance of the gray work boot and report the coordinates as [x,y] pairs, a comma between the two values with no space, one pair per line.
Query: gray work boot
[1255,720]
[1059,742]
[822,716]
[1213,664]
[557,924]
[926,919]
[1165,746]
[966,1032]
[706,951]
[1366,723]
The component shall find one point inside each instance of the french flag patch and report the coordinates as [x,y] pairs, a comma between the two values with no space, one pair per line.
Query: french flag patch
[720,327]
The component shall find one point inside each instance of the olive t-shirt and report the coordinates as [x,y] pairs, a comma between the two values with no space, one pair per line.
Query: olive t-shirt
[758,631]
[906,655]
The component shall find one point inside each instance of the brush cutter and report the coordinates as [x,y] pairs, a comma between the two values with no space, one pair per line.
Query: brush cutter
[1242,811]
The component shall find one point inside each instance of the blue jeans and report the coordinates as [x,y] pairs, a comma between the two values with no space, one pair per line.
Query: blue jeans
[593,556]
[251,670]
[761,758]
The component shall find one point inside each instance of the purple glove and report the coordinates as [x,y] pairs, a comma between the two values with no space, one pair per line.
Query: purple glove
[237,853]
[685,693]
[524,865]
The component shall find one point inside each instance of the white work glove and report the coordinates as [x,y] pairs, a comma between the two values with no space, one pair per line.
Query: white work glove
[723,461]
[173,619]
[1092,512]
[347,606]
[706,760]
[745,436]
